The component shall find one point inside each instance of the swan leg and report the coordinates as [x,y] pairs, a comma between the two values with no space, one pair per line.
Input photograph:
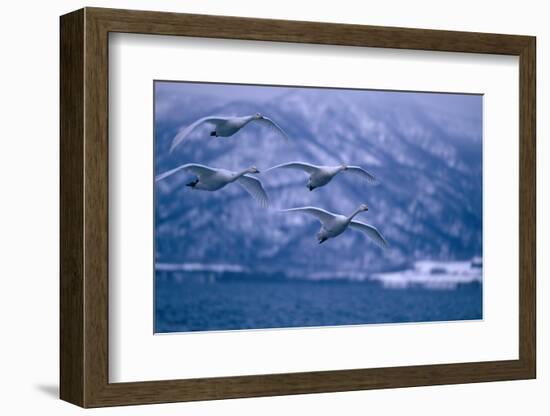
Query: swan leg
[322,240]
[213,133]
[310,187]
[193,183]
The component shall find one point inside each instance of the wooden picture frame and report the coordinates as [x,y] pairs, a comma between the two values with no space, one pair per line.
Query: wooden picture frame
[84,207]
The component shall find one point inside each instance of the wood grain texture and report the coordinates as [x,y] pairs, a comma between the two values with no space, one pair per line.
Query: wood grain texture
[71,100]
[162,23]
[528,207]
[96,208]
[84,207]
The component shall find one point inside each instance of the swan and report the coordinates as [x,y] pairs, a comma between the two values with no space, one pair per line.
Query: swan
[321,175]
[226,126]
[332,225]
[212,179]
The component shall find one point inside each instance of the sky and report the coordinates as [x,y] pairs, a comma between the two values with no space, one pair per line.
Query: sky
[465,105]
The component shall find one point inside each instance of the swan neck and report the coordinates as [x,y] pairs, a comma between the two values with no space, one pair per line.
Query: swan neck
[353,214]
[241,173]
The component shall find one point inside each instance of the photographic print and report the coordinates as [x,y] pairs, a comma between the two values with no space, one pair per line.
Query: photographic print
[293,207]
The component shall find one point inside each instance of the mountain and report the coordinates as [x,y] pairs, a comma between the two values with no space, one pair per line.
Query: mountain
[425,150]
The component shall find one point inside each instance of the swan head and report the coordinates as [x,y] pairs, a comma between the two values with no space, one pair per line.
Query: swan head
[253,169]
[258,116]
[363,207]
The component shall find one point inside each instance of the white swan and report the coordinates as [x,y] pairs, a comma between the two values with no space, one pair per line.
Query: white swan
[226,126]
[212,179]
[332,225]
[321,175]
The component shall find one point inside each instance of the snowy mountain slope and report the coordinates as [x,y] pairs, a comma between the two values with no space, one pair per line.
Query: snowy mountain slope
[426,155]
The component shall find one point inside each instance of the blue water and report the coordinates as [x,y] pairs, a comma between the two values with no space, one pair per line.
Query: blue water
[189,305]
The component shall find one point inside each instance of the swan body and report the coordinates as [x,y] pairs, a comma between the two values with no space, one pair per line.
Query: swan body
[212,179]
[321,175]
[226,126]
[332,225]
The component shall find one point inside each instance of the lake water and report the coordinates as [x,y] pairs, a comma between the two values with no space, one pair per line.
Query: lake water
[206,305]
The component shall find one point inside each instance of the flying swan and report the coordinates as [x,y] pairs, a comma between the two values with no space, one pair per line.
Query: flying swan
[321,175]
[332,225]
[226,126]
[212,179]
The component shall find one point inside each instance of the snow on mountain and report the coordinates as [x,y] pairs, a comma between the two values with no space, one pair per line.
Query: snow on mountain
[426,155]
[432,275]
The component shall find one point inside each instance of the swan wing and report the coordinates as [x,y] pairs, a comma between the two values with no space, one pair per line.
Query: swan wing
[371,231]
[267,122]
[322,215]
[297,165]
[183,133]
[359,171]
[254,187]
[199,170]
